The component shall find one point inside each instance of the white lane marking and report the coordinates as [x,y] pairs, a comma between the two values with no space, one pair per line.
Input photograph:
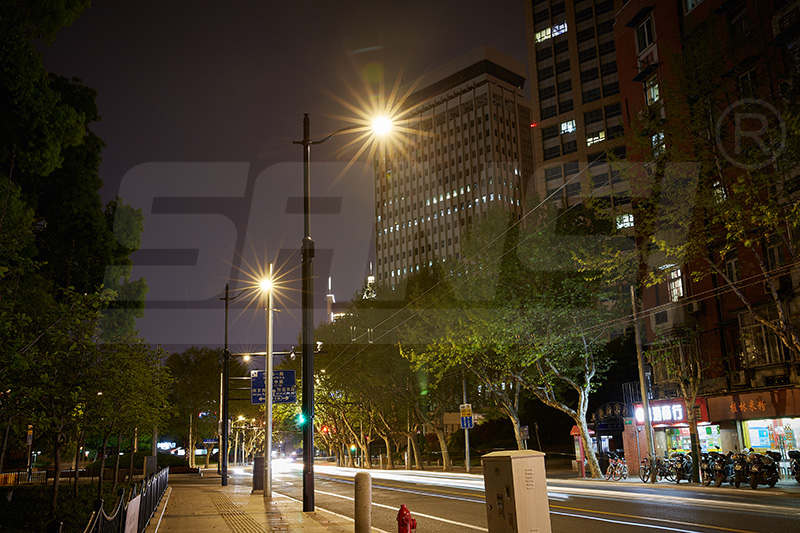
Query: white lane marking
[649,526]
[461,524]
[169,489]
[663,498]
[379,530]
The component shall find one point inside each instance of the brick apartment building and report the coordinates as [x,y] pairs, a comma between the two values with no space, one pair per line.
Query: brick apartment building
[712,310]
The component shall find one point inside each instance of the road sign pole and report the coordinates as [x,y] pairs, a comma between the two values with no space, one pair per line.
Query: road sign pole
[466,430]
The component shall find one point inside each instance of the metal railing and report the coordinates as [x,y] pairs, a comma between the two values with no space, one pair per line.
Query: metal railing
[23,477]
[144,499]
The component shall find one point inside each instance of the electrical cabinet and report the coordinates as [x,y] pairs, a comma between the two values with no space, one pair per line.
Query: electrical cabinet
[516,492]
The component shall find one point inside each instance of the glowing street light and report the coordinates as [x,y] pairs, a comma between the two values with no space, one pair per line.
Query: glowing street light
[379,126]
[382,125]
[266,286]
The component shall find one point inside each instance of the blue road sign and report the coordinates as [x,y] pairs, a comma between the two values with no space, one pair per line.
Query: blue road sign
[210,441]
[284,387]
[466,422]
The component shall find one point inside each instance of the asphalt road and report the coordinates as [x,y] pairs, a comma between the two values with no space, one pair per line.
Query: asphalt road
[455,502]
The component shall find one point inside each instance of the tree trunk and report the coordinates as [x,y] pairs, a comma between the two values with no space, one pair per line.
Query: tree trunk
[398,451]
[116,461]
[191,443]
[366,460]
[5,444]
[417,455]
[514,417]
[695,440]
[102,467]
[133,451]
[447,463]
[389,460]
[77,464]
[588,451]
[57,473]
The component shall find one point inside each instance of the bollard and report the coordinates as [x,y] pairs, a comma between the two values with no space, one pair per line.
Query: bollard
[363,503]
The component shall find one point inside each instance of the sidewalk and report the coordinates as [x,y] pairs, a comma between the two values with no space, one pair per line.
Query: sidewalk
[198,504]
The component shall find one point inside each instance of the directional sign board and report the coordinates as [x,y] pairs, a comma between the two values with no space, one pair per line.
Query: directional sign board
[284,387]
[466,416]
[210,441]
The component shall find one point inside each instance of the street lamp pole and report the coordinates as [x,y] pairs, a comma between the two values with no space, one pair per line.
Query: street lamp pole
[268,379]
[307,303]
[380,126]
[226,360]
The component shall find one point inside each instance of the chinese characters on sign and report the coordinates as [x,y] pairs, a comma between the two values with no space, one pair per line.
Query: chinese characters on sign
[284,387]
[662,413]
[671,412]
[751,406]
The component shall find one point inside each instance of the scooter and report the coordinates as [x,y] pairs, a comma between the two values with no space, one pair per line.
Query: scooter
[706,468]
[764,468]
[723,468]
[683,466]
[741,469]
[794,464]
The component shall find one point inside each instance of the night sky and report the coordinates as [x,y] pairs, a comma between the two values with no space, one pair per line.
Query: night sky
[200,103]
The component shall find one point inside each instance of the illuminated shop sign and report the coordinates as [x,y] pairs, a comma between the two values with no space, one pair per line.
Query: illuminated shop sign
[670,412]
[662,413]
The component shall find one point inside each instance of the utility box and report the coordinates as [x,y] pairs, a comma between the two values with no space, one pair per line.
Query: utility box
[516,492]
[258,473]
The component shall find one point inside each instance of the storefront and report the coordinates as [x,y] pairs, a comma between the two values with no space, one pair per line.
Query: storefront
[768,420]
[670,428]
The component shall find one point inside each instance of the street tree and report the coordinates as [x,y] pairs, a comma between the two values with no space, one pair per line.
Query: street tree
[195,394]
[533,319]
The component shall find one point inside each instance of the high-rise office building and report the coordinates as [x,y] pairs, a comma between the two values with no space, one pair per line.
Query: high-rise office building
[575,99]
[464,147]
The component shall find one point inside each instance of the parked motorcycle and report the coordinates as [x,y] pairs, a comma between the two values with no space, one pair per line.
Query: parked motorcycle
[683,465]
[706,468]
[794,464]
[722,466]
[764,468]
[741,469]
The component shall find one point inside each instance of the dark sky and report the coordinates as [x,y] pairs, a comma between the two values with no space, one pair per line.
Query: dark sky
[200,103]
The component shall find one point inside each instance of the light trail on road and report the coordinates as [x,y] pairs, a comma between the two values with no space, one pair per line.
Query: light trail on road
[469,489]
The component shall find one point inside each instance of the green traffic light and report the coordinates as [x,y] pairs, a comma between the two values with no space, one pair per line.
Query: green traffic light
[301,419]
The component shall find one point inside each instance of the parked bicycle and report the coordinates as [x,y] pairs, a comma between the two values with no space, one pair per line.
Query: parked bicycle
[617,467]
[664,469]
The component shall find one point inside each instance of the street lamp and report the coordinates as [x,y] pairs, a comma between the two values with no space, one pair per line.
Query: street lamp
[380,126]
[267,287]
[226,360]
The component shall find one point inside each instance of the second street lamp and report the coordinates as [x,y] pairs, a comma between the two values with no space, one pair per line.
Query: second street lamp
[267,286]
[380,126]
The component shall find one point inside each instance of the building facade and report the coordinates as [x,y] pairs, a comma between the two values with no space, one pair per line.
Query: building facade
[711,315]
[463,148]
[575,97]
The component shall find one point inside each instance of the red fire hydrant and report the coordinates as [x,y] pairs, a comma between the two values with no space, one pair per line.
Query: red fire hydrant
[404,521]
